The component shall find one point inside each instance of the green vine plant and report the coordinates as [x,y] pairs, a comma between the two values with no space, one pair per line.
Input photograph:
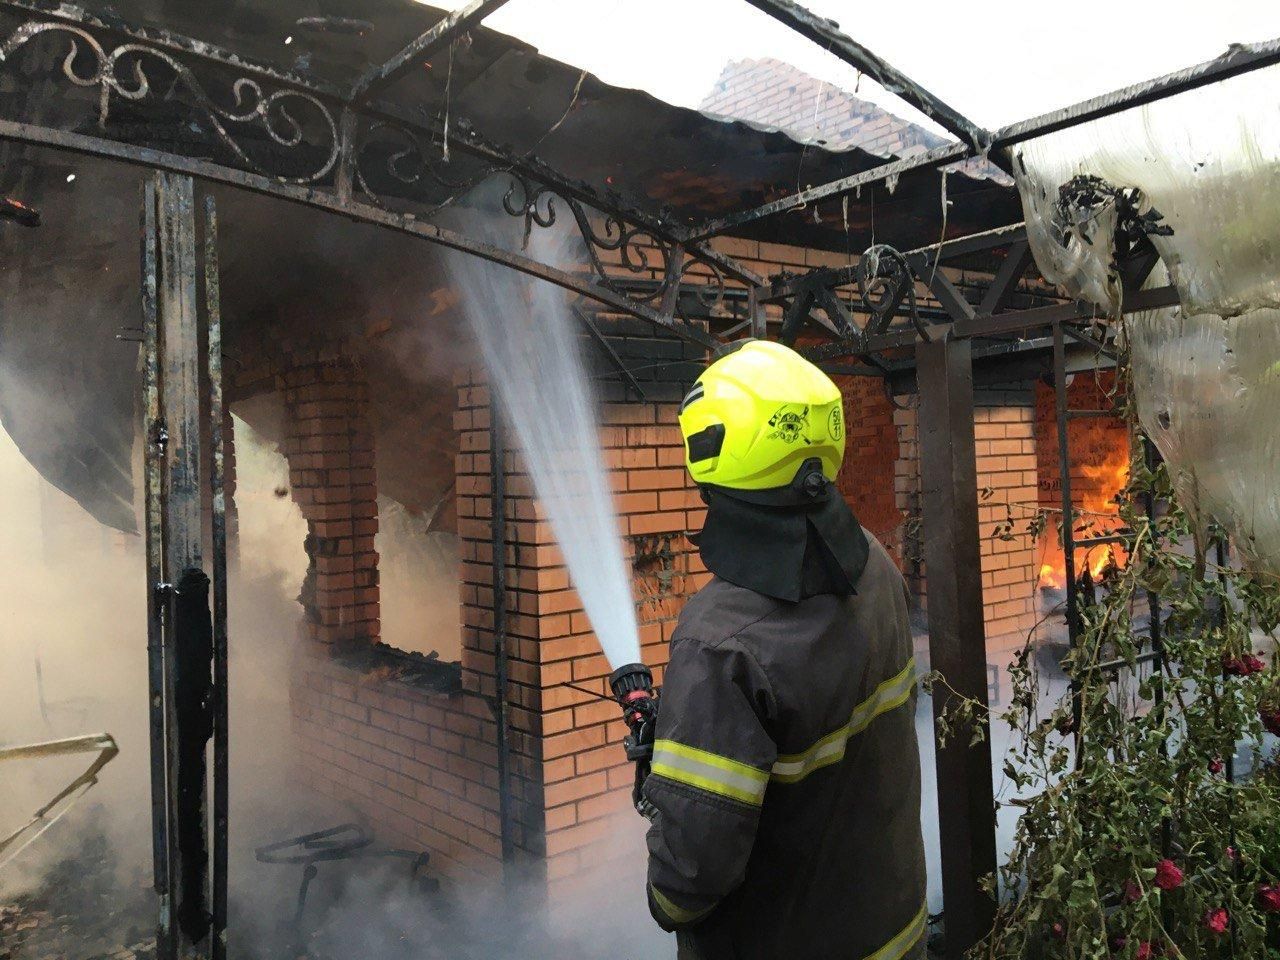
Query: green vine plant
[1140,835]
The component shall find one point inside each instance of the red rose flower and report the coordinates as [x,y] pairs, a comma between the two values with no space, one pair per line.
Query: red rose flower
[1234,667]
[1254,663]
[1146,950]
[1216,765]
[1168,876]
[1216,920]
[1271,719]
[1269,898]
[1132,892]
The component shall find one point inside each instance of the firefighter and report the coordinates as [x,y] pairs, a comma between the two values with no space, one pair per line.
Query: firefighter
[784,794]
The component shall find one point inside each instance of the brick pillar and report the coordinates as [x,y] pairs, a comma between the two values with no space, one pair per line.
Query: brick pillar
[1006,450]
[329,446]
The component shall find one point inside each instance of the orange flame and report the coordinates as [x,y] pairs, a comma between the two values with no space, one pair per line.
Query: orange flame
[1099,514]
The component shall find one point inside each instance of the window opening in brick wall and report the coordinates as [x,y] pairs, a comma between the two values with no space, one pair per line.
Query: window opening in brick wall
[418,581]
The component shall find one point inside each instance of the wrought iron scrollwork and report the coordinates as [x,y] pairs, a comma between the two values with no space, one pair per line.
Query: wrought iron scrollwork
[884,279]
[122,72]
[635,249]
[408,160]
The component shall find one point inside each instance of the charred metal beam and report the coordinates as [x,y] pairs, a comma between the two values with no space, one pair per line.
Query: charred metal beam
[1015,322]
[218,491]
[957,640]
[611,354]
[155,440]
[938,156]
[188,636]
[828,35]
[942,252]
[423,47]
[363,212]
[349,121]
[1239,59]
[1006,279]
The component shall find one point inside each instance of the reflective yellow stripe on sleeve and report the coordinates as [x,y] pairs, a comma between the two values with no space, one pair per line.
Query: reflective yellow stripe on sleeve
[709,771]
[891,694]
[904,941]
[674,912]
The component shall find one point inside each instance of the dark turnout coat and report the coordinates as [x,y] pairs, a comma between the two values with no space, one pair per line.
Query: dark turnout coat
[786,777]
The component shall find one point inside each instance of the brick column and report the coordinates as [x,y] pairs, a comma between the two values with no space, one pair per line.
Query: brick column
[1004,428]
[329,446]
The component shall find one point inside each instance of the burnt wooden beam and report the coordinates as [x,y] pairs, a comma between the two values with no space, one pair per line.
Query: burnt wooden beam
[957,637]
[423,48]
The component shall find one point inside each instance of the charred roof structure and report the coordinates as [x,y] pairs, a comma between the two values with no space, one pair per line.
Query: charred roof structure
[390,115]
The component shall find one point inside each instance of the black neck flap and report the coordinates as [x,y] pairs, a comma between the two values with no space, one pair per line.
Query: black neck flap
[790,543]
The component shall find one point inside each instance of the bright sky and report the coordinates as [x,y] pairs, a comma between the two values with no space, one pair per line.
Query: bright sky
[995,63]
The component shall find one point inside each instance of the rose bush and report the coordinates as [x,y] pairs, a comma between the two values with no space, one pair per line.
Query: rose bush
[1136,837]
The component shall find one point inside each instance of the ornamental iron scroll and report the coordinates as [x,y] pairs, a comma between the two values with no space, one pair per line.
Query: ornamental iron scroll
[638,250]
[297,132]
[123,72]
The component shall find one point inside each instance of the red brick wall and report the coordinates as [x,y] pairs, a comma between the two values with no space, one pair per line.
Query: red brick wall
[573,771]
[421,766]
[871,454]
[1004,435]
[329,447]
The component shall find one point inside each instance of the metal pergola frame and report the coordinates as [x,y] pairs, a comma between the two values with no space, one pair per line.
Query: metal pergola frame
[335,178]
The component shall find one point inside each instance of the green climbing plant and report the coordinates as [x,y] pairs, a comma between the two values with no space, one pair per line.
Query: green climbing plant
[1133,838]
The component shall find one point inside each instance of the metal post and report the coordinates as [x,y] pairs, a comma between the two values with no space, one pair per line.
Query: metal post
[155,439]
[1067,528]
[498,524]
[187,636]
[217,483]
[957,641]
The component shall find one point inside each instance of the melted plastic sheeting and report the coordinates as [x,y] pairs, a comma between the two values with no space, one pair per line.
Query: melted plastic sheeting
[1208,391]
[1207,374]
[1207,161]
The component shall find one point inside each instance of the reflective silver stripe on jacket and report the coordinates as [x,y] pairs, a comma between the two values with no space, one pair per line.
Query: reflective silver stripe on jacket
[709,771]
[906,939]
[891,694]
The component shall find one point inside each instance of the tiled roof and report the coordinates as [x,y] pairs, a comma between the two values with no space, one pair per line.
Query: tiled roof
[775,95]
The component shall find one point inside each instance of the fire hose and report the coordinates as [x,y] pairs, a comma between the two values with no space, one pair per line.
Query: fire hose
[24,836]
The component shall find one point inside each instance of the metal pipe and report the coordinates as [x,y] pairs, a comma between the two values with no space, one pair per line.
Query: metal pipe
[217,484]
[498,525]
[154,440]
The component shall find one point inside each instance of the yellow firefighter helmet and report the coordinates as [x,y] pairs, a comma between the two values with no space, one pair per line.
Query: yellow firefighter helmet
[756,415]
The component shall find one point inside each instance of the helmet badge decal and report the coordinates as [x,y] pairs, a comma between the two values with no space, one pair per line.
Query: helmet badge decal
[835,422]
[788,425]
